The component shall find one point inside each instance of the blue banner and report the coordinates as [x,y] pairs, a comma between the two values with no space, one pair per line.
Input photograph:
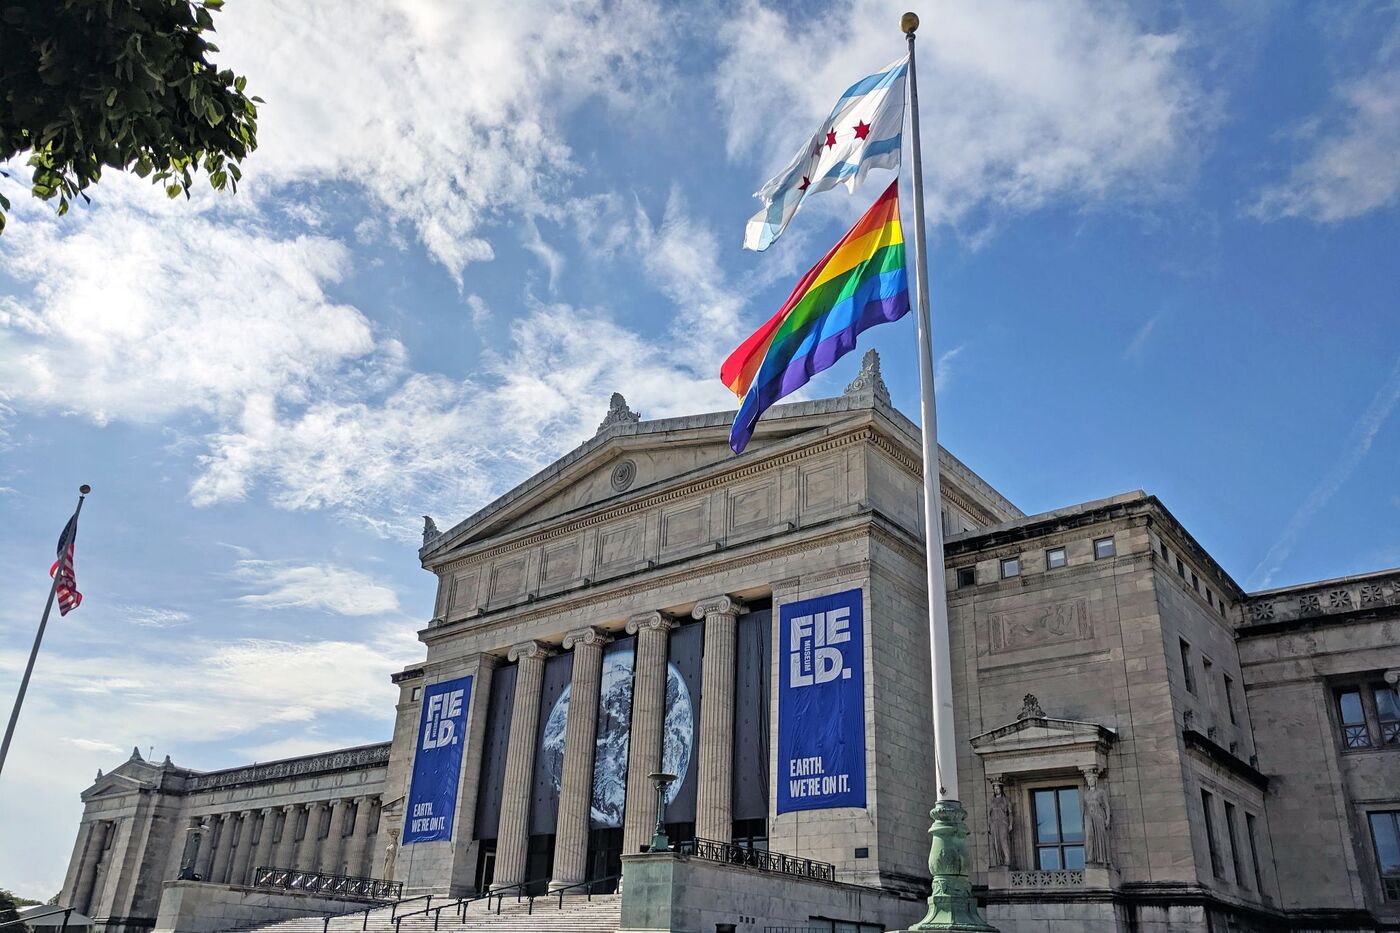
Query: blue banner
[821,704]
[437,764]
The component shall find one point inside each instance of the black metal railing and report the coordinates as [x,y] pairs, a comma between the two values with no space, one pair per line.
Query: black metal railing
[66,911]
[761,859]
[327,884]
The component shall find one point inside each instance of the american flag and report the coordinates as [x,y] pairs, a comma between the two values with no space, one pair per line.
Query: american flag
[67,589]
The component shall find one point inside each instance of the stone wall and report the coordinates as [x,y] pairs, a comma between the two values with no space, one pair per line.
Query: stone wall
[195,907]
[666,891]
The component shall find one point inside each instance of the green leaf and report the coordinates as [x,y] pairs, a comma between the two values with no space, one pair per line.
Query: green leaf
[214,4]
[4,204]
[172,191]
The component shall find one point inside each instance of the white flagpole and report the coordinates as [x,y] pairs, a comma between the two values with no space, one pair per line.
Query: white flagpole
[951,905]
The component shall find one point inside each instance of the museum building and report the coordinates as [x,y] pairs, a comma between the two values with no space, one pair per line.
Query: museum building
[1142,744]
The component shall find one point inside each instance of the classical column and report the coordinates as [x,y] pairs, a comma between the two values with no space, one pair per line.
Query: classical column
[580,738]
[512,837]
[714,790]
[335,839]
[653,631]
[306,854]
[284,856]
[238,865]
[87,874]
[191,853]
[262,855]
[219,870]
[359,837]
[206,847]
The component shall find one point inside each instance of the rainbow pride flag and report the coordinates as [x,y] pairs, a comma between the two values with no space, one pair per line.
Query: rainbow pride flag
[859,283]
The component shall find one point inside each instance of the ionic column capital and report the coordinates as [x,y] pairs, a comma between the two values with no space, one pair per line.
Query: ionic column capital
[588,636]
[530,651]
[651,622]
[1392,676]
[719,605]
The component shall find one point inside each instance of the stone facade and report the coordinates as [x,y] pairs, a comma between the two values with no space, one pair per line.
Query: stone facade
[145,824]
[1173,752]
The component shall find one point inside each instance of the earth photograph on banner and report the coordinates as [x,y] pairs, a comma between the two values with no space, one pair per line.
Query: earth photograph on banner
[730,466]
[610,761]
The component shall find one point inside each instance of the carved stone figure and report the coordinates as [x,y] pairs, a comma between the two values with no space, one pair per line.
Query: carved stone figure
[1097,819]
[618,413]
[999,823]
[391,852]
[869,378]
[430,530]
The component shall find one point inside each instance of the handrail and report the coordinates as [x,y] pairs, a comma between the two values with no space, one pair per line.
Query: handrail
[590,885]
[762,859]
[66,911]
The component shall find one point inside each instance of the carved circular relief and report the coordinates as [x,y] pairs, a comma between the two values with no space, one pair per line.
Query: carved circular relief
[623,474]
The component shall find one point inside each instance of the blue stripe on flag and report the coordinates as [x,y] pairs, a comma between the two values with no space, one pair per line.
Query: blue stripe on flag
[878,148]
[874,82]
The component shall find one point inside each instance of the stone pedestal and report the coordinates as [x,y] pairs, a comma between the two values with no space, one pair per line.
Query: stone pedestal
[648,714]
[714,795]
[580,739]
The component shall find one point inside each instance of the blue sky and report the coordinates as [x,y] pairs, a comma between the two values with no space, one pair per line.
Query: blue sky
[1163,256]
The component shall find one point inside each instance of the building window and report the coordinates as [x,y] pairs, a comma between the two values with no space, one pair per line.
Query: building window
[1216,866]
[751,834]
[1387,713]
[1104,548]
[1385,833]
[1230,697]
[1195,582]
[1234,844]
[1210,598]
[1054,558]
[1254,851]
[417,693]
[1010,567]
[1180,569]
[1163,547]
[1186,666]
[967,576]
[1059,828]
[1353,719]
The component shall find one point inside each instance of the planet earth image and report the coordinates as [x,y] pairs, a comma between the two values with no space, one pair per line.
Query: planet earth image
[614,723]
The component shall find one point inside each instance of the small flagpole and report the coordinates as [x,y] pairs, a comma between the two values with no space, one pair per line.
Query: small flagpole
[951,906]
[34,652]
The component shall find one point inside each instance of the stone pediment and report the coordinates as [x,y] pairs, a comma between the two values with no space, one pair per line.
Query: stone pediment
[627,457]
[1035,742]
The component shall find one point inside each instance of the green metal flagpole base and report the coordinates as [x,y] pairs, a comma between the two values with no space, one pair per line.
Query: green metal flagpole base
[951,905]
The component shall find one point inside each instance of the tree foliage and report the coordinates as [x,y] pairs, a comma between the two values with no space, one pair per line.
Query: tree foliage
[123,84]
[9,901]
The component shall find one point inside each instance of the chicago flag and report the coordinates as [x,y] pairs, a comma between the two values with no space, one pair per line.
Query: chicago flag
[863,132]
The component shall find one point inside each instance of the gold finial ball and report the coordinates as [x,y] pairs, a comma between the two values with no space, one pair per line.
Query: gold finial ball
[909,22]
[84,489]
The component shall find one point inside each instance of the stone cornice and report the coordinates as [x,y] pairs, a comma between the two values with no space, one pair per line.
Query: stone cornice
[833,532]
[1326,602]
[347,759]
[718,605]
[1220,756]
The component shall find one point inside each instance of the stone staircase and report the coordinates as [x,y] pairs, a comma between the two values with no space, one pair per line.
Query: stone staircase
[602,914]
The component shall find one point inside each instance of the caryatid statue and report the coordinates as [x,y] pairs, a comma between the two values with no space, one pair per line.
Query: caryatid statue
[1097,819]
[999,821]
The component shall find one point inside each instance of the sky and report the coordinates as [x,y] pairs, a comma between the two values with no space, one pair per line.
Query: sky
[1163,248]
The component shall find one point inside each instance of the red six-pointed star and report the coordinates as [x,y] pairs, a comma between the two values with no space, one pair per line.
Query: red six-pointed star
[830,138]
[805,182]
[862,129]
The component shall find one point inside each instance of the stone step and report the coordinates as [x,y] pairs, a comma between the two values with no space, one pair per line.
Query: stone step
[578,914]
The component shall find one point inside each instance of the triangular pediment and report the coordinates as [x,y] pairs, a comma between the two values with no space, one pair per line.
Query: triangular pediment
[1039,732]
[634,458]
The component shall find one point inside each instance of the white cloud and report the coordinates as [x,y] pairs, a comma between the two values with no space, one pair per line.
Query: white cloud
[196,699]
[153,617]
[284,585]
[1021,103]
[1358,445]
[1135,346]
[447,114]
[943,367]
[138,316]
[1354,164]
